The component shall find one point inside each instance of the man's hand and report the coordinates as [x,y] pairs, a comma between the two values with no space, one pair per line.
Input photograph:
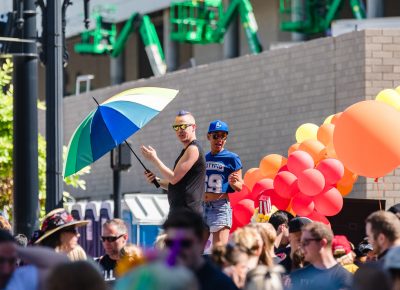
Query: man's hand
[150,176]
[149,152]
[233,178]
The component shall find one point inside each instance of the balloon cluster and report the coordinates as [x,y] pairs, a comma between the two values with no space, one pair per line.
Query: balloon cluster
[326,161]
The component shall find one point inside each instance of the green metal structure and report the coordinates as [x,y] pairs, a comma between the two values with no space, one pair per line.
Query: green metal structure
[104,40]
[314,16]
[204,22]
[196,22]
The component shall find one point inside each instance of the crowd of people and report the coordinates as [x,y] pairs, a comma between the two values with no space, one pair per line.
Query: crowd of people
[287,252]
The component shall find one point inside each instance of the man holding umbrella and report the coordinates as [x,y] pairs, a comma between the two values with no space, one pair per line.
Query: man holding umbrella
[185,182]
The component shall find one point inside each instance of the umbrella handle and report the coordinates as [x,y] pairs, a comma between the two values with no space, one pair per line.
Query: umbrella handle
[155,182]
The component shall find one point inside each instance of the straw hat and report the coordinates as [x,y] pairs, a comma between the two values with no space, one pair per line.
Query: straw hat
[56,220]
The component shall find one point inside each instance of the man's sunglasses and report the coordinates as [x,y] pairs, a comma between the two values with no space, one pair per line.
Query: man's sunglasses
[181,126]
[216,136]
[183,243]
[110,239]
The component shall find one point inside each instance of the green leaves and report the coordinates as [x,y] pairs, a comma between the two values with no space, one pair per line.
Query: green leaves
[6,147]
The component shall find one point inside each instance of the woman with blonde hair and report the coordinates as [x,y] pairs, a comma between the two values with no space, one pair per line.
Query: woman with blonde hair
[59,231]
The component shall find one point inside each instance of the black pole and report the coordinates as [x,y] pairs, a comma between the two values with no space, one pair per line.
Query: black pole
[231,39]
[117,191]
[54,99]
[26,181]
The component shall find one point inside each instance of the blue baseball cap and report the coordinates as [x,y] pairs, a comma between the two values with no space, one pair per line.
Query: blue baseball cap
[218,126]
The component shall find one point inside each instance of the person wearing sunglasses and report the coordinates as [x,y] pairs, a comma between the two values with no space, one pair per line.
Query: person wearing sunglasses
[323,272]
[223,177]
[186,237]
[59,231]
[114,238]
[185,182]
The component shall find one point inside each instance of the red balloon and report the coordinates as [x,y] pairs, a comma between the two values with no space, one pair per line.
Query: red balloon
[332,169]
[260,186]
[299,161]
[235,197]
[276,200]
[311,182]
[329,202]
[302,205]
[285,184]
[283,168]
[317,217]
[243,211]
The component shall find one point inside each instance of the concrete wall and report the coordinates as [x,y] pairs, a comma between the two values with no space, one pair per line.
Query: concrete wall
[264,98]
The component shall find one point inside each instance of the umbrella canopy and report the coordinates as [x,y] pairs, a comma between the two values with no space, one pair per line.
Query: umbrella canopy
[112,122]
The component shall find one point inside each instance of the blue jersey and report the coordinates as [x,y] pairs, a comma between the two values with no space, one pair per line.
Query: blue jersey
[218,169]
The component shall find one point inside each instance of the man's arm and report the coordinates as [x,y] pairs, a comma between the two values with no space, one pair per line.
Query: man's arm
[184,164]
[41,257]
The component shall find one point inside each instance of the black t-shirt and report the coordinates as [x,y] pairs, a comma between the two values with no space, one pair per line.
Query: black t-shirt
[188,192]
[284,258]
[108,266]
[211,278]
[311,278]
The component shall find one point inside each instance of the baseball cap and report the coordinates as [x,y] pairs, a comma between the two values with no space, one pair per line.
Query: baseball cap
[392,259]
[395,208]
[218,126]
[297,223]
[340,245]
[363,248]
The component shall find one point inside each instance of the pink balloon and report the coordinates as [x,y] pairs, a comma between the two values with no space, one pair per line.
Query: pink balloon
[302,205]
[263,184]
[276,200]
[311,182]
[243,211]
[332,169]
[329,202]
[299,161]
[235,197]
[317,217]
[285,184]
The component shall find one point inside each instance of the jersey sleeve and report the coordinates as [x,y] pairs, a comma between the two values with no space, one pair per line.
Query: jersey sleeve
[237,163]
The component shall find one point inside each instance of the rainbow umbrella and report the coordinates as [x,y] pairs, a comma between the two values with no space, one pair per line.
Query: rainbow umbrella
[112,122]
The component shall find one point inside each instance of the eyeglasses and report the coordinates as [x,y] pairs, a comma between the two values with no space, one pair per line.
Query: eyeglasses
[71,230]
[306,242]
[10,261]
[110,239]
[181,243]
[223,137]
[181,126]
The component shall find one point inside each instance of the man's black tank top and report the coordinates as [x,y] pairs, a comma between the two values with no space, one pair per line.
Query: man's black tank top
[188,192]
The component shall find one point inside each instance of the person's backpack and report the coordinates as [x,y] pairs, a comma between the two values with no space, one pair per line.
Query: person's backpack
[264,278]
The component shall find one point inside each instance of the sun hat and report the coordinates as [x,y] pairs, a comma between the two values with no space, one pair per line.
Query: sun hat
[55,221]
[218,126]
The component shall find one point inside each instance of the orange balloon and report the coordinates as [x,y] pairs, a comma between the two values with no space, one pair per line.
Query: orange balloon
[367,139]
[293,148]
[348,178]
[325,134]
[335,118]
[252,176]
[270,164]
[330,151]
[315,148]
[344,189]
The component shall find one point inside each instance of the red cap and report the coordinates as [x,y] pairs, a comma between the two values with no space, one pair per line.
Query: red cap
[340,245]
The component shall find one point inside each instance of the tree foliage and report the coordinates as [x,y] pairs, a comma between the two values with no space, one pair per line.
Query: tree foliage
[6,147]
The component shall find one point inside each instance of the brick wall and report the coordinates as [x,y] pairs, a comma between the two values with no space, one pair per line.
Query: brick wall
[264,98]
